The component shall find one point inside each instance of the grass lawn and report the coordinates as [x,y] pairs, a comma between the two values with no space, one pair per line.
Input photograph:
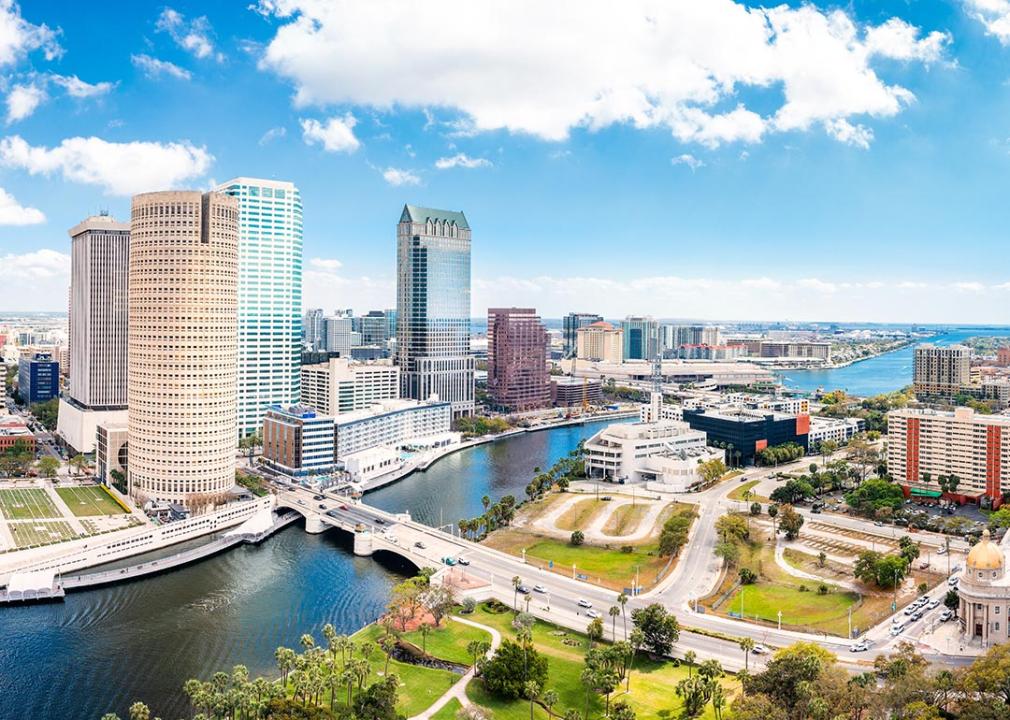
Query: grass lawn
[449,641]
[625,519]
[26,503]
[41,532]
[652,683]
[448,711]
[738,492]
[89,500]
[580,514]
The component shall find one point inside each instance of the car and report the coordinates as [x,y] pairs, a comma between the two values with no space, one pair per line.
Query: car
[759,649]
[816,510]
[952,582]
[910,609]
[449,561]
[859,647]
[539,589]
[933,604]
[380,521]
[879,524]
[317,497]
[607,498]
[946,615]
[420,545]
[592,614]
[343,507]
[584,603]
[463,561]
[897,629]
[924,564]
[917,615]
[321,506]
[523,590]
[942,551]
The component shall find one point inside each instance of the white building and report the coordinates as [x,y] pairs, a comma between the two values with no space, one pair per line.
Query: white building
[396,424]
[666,452]
[269,296]
[339,335]
[837,430]
[298,441]
[342,385]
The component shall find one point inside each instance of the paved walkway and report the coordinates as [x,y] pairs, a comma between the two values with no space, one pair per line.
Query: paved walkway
[458,690]
[781,561]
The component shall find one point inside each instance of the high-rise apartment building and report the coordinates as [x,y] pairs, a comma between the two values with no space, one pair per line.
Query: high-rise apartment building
[269,296]
[641,338]
[183,347]
[571,324]
[433,307]
[600,342]
[312,328]
[941,371]
[99,317]
[341,385]
[517,376]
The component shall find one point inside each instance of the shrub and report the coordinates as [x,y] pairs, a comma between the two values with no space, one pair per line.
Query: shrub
[748,576]
[804,588]
[469,604]
[627,549]
[578,537]
[822,589]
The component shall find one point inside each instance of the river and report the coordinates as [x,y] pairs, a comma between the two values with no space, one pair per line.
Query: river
[102,649]
[883,373]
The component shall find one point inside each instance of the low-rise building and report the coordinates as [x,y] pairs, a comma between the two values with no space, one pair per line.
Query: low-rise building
[397,424]
[791,349]
[666,452]
[112,453]
[710,352]
[746,432]
[837,430]
[298,441]
[567,391]
[983,590]
[340,385]
[13,430]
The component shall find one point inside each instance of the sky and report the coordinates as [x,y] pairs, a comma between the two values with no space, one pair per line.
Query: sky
[695,159]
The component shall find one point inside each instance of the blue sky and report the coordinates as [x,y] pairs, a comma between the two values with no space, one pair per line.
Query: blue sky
[697,159]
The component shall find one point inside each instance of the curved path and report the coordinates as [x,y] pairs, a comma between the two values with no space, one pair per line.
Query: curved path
[458,690]
[787,567]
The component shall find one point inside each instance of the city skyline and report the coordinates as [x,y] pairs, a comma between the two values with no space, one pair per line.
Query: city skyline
[753,197]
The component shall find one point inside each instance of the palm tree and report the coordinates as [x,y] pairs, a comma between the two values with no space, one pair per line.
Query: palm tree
[637,641]
[689,657]
[425,630]
[532,690]
[387,642]
[485,501]
[285,658]
[746,644]
[549,699]
[516,582]
[622,600]
[613,612]
[718,700]
[307,641]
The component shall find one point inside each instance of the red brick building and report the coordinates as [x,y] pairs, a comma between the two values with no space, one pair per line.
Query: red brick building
[517,376]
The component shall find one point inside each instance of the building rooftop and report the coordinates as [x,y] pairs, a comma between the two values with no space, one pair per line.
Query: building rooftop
[414,213]
[385,407]
[100,223]
[11,426]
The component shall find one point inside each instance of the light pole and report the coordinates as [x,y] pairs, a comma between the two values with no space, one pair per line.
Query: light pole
[850,621]
[780,619]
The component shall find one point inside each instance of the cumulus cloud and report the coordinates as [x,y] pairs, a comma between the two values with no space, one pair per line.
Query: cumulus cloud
[194,37]
[994,16]
[119,168]
[75,87]
[329,264]
[23,100]
[335,135]
[13,213]
[461,160]
[155,68]
[397,177]
[687,159]
[36,280]
[843,131]
[18,37]
[655,64]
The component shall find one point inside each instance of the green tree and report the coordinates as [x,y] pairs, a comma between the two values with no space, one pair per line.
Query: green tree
[578,537]
[746,644]
[513,665]
[790,522]
[48,466]
[660,629]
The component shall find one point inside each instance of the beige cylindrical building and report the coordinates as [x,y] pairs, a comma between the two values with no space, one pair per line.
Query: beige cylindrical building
[183,347]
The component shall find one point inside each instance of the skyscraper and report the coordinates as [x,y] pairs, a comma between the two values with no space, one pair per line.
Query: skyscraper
[183,346]
[312,328]
[433,307]
[941,371]
[99,252]
[571,325]
[517,377]
[641,338]
[269,296]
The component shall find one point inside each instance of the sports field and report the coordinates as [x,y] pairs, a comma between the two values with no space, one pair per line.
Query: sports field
[26,503]
[90,500]
[29,534]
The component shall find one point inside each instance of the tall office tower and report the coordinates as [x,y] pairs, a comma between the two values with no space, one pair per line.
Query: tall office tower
[312,328]
[941,371]
[99,268]
[641,338]
[338,334]
[433,307]
[517,377]
[374,328]
[570,327]
[183,347]
[269,296]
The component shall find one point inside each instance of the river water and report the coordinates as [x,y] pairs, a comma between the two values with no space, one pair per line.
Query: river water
[881,374]
[102,649]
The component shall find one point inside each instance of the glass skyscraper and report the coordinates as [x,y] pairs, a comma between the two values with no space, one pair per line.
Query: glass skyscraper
[269,297]
[433,307]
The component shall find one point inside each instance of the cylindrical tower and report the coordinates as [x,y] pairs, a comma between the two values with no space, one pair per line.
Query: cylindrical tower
[183,347]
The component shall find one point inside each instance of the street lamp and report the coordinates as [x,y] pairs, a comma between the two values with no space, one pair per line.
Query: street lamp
[780,621]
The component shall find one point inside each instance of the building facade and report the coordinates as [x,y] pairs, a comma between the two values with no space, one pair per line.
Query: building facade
[112,454]
[983,590]
[749,431]
[183,347]
[517,376]
[339,335]
[298,441]
[13,430]
[269,296]
[98,324]
[941,371]
[923,445]
[341,385]
[395,424]
[600,342]
[38,378]
[641,338]
[312,329]
[433,307]
[571,324]
[569,391]
[375,326]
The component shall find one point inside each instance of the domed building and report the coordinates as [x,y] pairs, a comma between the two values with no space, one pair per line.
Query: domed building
[984,589]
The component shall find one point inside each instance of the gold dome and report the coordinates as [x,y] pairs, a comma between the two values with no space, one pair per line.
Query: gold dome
[986,555]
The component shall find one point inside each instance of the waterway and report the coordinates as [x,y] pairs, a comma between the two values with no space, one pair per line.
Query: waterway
[883,373]
[102,649]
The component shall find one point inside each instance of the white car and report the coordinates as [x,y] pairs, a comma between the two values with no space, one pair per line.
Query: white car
[946,615]
[592,613]
[859,647]
[897,629]
[934,604]
[942,551]
[584,603]
[539,589]
[759,650]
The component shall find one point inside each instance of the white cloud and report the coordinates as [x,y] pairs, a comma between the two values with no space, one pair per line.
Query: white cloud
[18,37]
[194,37]
[75,87]
[461,160]
[655,64]
[36,280]
[119,168]
[397,177]
[13,213]
[687,159]
[335,135]
[326,264]
[817,285]
[994,16]
[274,133]
[23,100]
[969,287]
[843,131]
[154,68]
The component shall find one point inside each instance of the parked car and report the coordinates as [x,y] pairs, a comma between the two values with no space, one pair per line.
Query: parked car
[449,561]
[946,615]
